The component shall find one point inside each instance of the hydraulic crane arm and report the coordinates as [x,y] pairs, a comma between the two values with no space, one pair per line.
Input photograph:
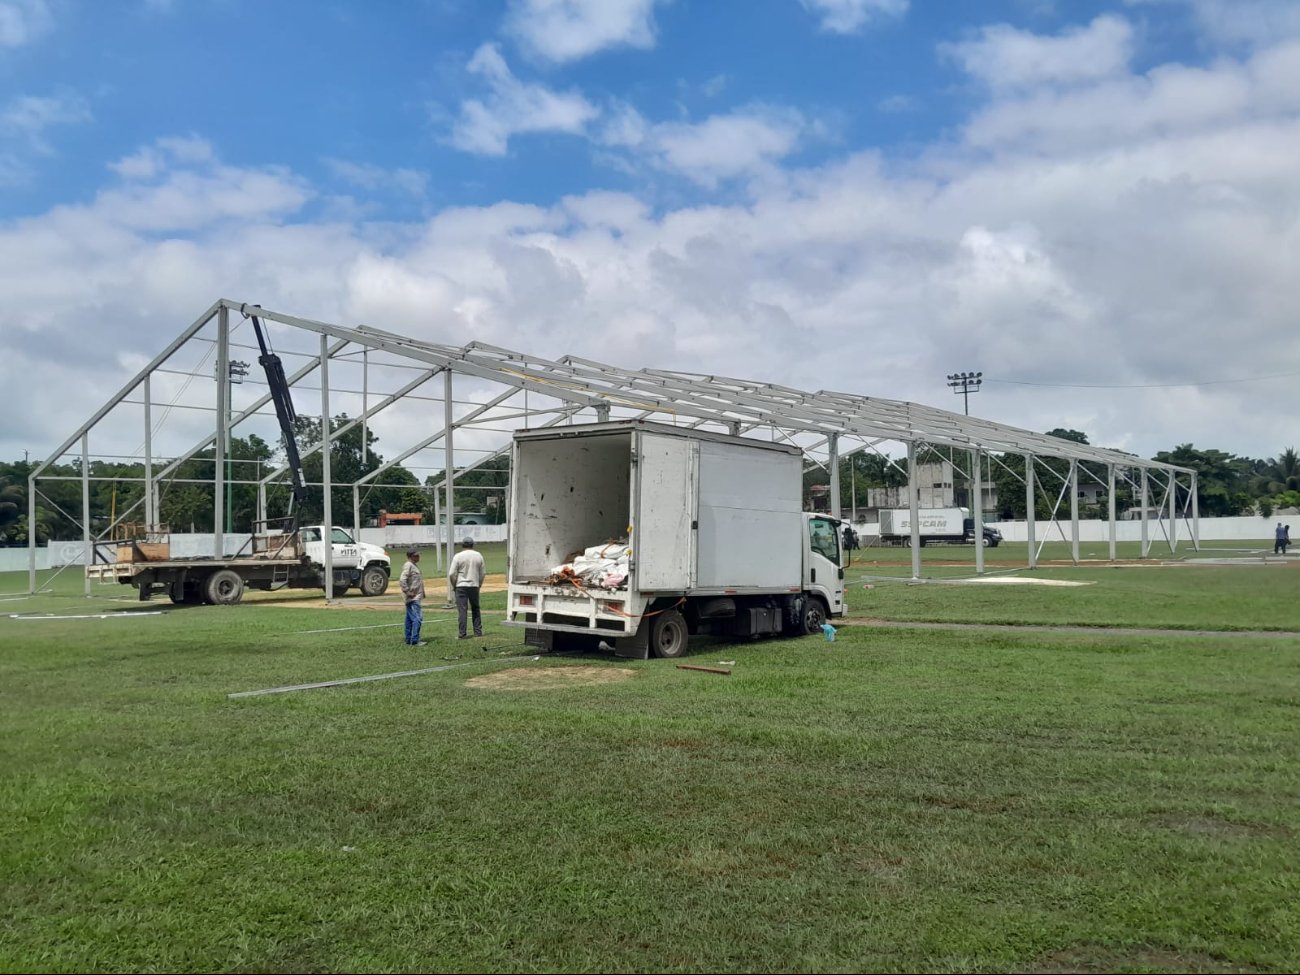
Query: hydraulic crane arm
[284,412]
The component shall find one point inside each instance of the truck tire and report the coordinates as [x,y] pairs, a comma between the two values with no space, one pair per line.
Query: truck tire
[374,581]
[225,587]
[176,592]
[812,616]
[668,634]
[992,543]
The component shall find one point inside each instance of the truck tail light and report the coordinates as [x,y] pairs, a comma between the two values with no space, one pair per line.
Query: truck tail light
[527,600]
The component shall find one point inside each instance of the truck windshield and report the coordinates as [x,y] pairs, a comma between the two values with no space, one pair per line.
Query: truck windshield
[339,537]
[824,539]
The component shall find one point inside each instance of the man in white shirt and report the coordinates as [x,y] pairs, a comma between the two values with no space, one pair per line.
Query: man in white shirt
[411,582]
[466,576]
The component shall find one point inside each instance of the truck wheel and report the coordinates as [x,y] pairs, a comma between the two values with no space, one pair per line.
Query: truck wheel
[374,582]
[668,634]
[176,592]
[993,543]
[224,588]
[813,615]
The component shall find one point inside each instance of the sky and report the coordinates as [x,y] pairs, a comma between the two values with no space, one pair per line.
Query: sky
[1094,203]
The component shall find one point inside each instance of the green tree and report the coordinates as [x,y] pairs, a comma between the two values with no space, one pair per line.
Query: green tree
[1223,480]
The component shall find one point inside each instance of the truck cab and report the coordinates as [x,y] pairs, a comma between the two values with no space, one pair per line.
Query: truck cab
[355,563]
[823,566]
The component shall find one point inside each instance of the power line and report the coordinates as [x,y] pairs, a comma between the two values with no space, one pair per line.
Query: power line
[1206,382]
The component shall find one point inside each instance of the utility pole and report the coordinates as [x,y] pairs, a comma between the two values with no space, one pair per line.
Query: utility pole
[965,383]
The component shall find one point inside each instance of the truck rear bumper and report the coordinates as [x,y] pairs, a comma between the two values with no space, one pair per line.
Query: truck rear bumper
[569,611]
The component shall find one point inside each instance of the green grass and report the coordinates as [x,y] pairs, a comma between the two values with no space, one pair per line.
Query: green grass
[895,800]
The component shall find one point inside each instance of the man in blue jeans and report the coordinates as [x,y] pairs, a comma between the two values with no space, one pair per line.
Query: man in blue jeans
[466,576]
[411,582]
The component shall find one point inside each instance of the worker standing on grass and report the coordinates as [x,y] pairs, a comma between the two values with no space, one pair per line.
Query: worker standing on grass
[411,582]
[466,576]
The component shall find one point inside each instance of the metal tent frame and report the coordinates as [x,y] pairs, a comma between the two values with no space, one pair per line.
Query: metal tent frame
[500,385]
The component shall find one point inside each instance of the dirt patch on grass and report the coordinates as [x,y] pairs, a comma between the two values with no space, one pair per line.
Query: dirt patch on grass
[549,678]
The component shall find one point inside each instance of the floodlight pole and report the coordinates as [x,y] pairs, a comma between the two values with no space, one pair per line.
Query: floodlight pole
[965,383]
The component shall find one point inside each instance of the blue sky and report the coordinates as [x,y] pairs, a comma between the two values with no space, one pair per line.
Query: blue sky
[1081,196]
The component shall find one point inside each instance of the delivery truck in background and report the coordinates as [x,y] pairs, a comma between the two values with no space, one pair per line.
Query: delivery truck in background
[937,525]
[689,532]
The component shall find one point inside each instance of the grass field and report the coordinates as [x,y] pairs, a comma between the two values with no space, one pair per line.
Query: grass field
[899,799]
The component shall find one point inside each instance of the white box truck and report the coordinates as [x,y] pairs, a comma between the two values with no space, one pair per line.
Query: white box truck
[707,533]
[936,525]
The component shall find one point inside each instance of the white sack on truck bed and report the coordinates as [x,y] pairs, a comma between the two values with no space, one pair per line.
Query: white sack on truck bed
[603,566]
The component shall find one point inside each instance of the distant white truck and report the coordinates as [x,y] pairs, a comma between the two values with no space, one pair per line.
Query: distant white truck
[640,534]
[936,525]
[268,561]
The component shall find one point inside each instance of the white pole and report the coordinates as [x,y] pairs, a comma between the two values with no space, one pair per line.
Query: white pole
[150,515]
[327,506]
[1146,543]
[31,535]
[833,448]
[449,464]
[1196,517]
[1110,491]
[1173,511]
[223,433]
[977,508]
[85,506]
[914,510]
[1074,510]
[1029,509]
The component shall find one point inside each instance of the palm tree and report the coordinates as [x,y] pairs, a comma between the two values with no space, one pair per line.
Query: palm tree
[1281,473]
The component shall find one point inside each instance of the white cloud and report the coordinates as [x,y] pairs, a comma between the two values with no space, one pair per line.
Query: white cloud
[1005,57]
[22,21]
[743,143]
[513,107]
[849,16]
[370,177]
[1252,22]
[27,117]
[148,161]
[1170,101]
[567,30]
[1152,239]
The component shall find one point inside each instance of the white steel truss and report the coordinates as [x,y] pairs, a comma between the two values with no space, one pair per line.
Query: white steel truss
[520,388]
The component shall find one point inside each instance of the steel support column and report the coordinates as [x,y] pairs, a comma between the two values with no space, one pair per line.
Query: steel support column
[977,507]
[85,508]
[221,439]
[1110,512]
[1173,512]
[327,488]
[150,514]
[913,509]
[1196,517]
[833,465]
[449,470]
[1074,511]
[1146,541]
[1029,509]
